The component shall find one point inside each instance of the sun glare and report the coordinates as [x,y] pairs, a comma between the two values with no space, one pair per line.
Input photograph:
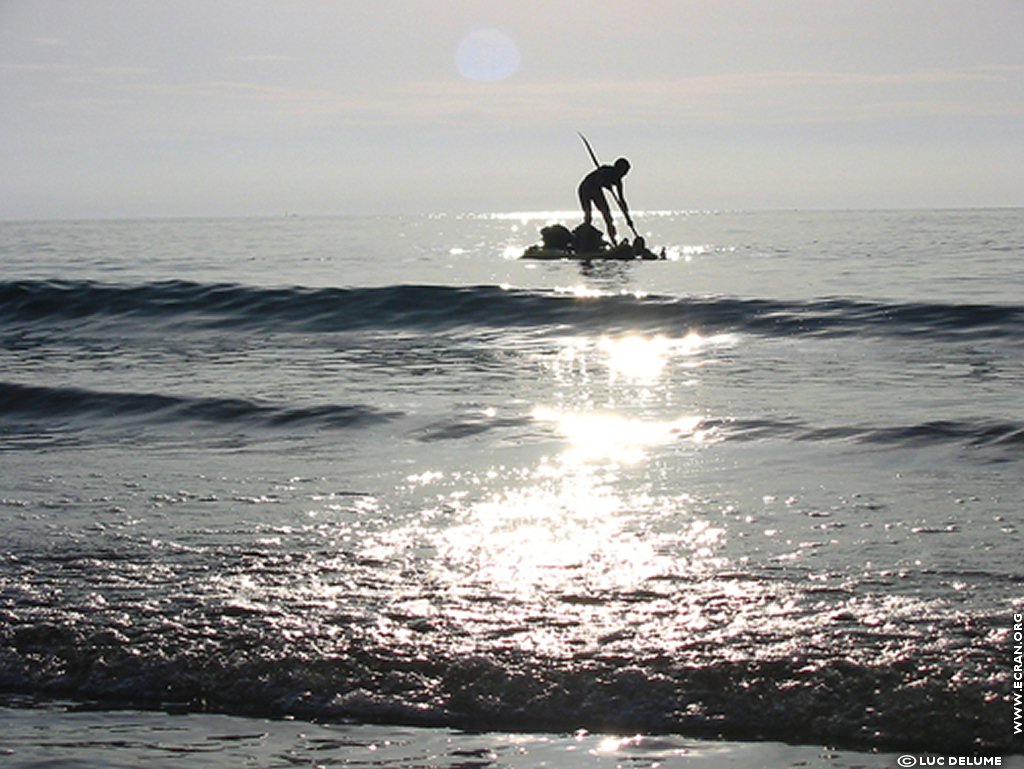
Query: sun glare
[636,357]
[595,437]
[642,359]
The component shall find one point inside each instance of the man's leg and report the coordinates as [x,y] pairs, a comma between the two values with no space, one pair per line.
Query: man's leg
[586,205]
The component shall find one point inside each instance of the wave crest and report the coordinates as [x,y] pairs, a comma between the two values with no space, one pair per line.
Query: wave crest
[25,304]
[19,400]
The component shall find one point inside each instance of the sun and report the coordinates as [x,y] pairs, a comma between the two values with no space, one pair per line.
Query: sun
[487,55]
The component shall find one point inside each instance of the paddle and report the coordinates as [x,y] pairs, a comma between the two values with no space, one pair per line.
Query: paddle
[615,193]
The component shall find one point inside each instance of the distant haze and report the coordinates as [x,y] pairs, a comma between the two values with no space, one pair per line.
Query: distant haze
[197,108]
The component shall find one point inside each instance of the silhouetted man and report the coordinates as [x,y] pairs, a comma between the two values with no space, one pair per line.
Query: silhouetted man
[591,192]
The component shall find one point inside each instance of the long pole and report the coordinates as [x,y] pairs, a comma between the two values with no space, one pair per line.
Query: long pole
[615,193]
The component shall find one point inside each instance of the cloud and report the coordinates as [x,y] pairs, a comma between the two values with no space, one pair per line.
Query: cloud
[35,67]
[742,99]
[76,72]
[733,99]
[119,72]
[262,58]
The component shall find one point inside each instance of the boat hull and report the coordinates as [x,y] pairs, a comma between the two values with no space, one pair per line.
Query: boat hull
[624,252]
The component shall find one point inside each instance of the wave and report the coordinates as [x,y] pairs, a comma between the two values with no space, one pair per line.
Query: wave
[47,403]
[28,304]
[802,697]
[40,404]
[972,433]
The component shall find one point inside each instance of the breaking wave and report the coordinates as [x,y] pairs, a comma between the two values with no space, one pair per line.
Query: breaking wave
[231,656]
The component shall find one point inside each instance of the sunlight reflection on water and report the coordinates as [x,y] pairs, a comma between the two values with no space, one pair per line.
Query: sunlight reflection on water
[596,436]
[569,522]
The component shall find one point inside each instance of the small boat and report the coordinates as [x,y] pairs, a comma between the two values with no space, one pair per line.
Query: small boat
[624,251]
[586,243]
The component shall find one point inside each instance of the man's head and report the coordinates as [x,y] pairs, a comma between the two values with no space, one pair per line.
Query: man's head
[622,166]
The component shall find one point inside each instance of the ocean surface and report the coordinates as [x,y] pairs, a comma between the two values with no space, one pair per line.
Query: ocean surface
[376,473]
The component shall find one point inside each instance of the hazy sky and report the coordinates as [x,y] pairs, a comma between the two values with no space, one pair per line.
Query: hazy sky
[221,107]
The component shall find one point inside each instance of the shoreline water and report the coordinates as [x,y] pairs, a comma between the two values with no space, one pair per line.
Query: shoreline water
[34,728]
[59,736]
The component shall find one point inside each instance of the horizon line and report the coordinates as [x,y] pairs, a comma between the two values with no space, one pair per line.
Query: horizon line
[518,215]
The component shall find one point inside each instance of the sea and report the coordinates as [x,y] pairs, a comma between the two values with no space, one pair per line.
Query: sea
[374,491]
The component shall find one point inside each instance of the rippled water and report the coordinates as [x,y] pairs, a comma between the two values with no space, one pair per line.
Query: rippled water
[378,469]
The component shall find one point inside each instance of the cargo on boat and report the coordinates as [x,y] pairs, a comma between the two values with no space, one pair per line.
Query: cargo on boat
[586,243]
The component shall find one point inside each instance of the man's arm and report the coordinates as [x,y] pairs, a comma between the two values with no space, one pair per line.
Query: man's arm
[622,202]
